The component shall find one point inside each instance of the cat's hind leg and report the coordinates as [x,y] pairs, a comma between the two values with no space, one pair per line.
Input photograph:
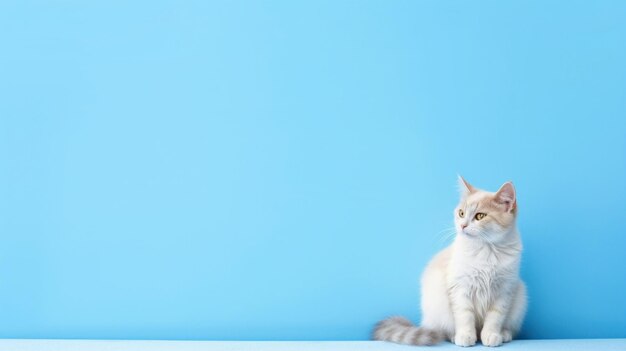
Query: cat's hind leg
[516,314]
[436,311]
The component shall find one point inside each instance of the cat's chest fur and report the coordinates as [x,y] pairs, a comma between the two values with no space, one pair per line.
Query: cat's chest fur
[482,275]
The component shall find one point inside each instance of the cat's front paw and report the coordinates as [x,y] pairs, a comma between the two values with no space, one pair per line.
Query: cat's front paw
[492,339]
[465,339]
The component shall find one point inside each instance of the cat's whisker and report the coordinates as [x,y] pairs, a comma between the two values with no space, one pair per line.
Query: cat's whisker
[446,234]
[446,230]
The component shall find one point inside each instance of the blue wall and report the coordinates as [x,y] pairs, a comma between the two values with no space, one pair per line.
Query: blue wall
[284,170]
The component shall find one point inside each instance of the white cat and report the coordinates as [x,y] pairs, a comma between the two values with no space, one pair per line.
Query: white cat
[471,288]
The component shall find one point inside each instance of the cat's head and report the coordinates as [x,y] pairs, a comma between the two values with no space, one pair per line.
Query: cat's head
[485,215]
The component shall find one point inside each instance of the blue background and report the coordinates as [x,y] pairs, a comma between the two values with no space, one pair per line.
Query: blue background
[284,170]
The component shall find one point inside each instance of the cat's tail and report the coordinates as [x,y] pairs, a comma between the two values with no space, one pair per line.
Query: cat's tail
[401,331]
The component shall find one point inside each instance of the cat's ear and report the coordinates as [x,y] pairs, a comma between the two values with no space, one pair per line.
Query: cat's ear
[464,187]
[505,196]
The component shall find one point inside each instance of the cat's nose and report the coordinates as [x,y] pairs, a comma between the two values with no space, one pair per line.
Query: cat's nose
[464,225]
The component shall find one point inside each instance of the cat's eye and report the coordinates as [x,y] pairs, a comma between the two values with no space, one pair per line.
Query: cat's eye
[480,216]
[461,213]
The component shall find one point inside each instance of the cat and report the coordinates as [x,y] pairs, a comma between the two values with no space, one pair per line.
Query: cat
[471,288]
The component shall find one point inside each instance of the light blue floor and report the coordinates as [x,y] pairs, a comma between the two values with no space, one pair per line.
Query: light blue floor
[153,345]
